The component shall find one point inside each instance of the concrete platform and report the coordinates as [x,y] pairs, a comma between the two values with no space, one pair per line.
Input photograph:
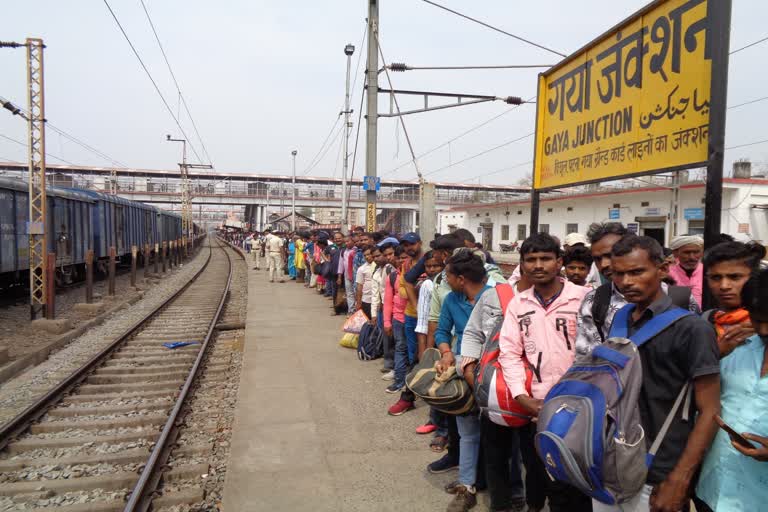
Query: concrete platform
[311,430]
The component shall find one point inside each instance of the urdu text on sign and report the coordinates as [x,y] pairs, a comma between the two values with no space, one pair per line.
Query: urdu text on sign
[636,101]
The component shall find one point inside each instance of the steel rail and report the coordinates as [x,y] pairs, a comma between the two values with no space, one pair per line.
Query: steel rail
[22,421]
[141,496]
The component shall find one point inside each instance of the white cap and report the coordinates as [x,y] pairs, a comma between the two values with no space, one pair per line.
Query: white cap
[572,239]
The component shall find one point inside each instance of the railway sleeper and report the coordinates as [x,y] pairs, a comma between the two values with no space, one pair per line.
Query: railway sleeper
[110,482]
[105,397]
[135,455]
[30,444]
[133,370]
[73,412]
[137,379]
[96,389]
[141,359]
[188,496]
[148,420]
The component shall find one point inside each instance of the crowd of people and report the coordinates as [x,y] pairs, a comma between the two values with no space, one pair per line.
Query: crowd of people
[567,301]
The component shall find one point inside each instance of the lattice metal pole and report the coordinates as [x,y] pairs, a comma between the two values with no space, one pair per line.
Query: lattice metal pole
[38,242]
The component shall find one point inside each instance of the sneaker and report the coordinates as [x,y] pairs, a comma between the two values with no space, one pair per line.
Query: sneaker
[427,428]
[384,369]
[452,487]
[394,388]
[400,407]
[390,375]
[465,500]
[445,463]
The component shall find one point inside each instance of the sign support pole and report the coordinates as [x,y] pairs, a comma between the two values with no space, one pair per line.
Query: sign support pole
[372,115]
[720,35]
[535,202]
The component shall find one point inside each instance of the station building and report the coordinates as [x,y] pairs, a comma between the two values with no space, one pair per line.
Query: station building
[650,208]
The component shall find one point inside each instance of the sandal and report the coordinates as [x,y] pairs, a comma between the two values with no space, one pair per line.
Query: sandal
[438,444]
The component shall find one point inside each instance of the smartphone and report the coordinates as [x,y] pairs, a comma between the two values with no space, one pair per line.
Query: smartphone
[735,436]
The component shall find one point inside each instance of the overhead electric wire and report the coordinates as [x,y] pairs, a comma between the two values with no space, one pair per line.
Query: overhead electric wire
[457,137]
[750,45]
[451,68]
[25,145]
[325,152]
[497,171]
[322,146]
[748,144]
[397,107]
[748,102]
[72,138]
[487,25]
[151,79]
[503,144]
[312,162]
[178,88]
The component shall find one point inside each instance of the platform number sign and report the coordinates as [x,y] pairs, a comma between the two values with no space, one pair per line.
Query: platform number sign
[372,183]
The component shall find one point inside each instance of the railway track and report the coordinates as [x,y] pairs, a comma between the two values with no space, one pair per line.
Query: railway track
[100,440]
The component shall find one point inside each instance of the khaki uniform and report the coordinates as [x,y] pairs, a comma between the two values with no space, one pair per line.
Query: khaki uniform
[256,246]
[274,251]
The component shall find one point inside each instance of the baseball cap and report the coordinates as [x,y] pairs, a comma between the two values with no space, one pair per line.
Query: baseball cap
[572,239]
[389,240]
[410,238]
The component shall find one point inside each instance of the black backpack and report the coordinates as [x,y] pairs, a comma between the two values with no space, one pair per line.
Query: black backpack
[680,295]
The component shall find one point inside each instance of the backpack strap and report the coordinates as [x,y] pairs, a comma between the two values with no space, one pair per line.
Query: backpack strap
[505,293]
[683,395]
[680,296]
[620,325]
[600,304]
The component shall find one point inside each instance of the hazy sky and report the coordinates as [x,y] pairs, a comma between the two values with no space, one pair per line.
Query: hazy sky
[262,78]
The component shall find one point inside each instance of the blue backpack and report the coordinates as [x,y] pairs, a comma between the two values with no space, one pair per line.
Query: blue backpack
[589,431]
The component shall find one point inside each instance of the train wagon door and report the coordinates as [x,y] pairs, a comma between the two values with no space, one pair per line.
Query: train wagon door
[120,229]
[7,232]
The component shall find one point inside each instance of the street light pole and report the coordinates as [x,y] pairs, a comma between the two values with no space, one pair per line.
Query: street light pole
[293,193]
[348,51]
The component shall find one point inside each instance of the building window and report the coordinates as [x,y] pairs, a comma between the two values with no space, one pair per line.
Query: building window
[477,215]
[645,203]
[549,210]
[521,230]
[571,228]
[519,212]
[544,228]
[570,208]
[505,231]
[617,205]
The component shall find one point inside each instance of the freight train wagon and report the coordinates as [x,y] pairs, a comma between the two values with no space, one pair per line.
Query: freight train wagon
[77,220]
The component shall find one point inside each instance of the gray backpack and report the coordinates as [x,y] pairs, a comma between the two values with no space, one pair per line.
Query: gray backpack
[589,431]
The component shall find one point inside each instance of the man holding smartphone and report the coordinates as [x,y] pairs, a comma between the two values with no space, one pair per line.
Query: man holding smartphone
[734,475]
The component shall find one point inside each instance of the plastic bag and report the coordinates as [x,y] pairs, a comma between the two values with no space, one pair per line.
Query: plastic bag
[349,340]
[355,323]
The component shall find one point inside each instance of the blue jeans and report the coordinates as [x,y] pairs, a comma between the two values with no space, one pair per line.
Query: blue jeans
[440,420]
[401,352]
[410,336]
[469,447]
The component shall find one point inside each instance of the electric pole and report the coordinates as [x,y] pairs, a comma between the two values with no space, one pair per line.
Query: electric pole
[35,117]
[348,51]
[372,114]
[293,193]
[38,241]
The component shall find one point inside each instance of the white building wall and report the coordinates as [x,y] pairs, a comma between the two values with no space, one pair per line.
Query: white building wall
[640,208]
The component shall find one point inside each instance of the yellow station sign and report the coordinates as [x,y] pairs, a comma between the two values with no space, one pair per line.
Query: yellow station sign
[635,101]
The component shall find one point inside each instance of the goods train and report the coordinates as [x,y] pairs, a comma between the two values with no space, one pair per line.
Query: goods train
[77,221]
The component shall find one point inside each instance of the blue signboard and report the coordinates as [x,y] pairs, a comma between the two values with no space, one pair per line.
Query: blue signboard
[614,213]
[693,213]
[372,183]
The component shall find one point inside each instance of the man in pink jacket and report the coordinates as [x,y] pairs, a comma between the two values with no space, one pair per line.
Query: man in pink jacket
[688,269]
[539,330]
